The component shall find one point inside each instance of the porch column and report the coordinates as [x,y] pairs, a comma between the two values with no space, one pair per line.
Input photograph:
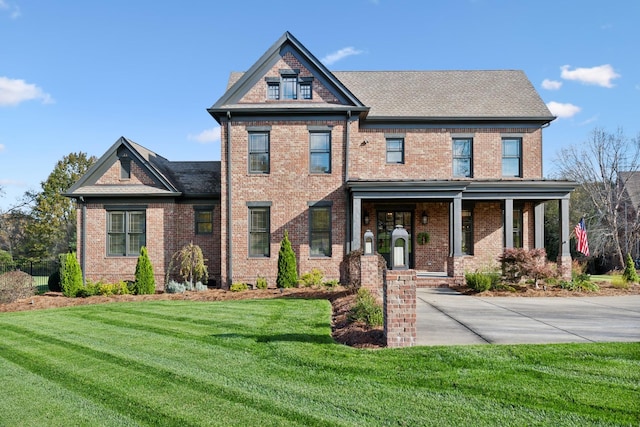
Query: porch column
[538,217]
[455,227]
[564,257]
[508,223]
[356,213]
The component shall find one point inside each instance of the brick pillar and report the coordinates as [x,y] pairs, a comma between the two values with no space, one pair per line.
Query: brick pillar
[369,277]
[400,308]
[564,267]
[455,269]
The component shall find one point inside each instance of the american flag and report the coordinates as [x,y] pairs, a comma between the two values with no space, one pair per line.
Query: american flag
[582,245]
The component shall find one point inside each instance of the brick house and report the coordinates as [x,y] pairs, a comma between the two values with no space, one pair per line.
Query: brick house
[327,156]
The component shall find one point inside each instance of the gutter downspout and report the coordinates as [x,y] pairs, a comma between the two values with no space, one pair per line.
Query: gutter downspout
[229,217]
[83,258]
[349,227]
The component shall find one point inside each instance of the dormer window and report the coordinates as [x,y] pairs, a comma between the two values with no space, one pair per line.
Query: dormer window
[289,86]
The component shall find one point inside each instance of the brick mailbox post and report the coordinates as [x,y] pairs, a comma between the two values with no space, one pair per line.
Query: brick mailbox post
[400,308]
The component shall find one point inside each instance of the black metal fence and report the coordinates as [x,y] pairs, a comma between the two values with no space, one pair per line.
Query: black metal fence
[39,269]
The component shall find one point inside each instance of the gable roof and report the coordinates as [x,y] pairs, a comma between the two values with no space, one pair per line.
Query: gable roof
[243,82]
[474,95]
[172,178]
[479,94]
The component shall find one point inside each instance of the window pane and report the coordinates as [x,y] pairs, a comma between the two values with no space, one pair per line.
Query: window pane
[395,150]
[136,222]
[320,244]
[462,147]
[462,167]
[259,232]
[394,157]
[305,91]
[258,143]
[259,152]
[136,241]
[289,87]
[511,167]
[116,222]
[116,245]
[258,220]
[511,147]
[204,222]
[273,91]
[259,162]
[319,163]
[319,141]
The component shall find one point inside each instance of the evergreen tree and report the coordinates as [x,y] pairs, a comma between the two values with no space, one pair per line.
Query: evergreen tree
[71,275]
[145,280]
[287,268]
[630,274]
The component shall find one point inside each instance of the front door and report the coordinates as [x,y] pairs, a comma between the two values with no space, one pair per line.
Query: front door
[387,221]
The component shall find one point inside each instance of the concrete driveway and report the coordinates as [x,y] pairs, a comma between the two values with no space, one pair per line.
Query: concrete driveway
[446,317]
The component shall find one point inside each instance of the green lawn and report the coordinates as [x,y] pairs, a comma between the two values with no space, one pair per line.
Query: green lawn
[273,362]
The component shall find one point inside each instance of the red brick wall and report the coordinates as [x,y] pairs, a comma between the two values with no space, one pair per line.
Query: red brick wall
[169,227]
[289,187]
[428,153]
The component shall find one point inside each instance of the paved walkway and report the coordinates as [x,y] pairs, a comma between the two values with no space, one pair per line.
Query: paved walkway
[446,317]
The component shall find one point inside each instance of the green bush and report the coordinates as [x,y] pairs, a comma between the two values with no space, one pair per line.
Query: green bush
[333,283]
[287,267]
[478,281]
[366,309]
[54,282]
[261,283]
[145,280]
[630,274]
[71,276]
[312,278]
[174,287]
[239,287]
[619,282]
[108,289]
[580,283]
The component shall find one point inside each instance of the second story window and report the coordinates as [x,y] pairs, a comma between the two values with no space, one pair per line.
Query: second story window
[512,157]
[395,150]
[259,152]
[273,90]
[320,152]
[462,162]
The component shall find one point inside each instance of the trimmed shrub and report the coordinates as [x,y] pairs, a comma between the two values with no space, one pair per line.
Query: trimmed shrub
[630,274]
[261,283]
[312,278]
[580,283]
[333,283]
[366,309]
[54,282]
[287,267]
[145,280]
[518,263]
[71,276]
[477,281]
[239,287]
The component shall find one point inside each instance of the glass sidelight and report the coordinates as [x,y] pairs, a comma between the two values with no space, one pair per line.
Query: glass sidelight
[387,221]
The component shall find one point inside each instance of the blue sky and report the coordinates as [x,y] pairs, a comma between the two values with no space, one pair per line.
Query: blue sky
[77,75]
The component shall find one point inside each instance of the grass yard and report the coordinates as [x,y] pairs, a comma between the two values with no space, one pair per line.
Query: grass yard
[273,362]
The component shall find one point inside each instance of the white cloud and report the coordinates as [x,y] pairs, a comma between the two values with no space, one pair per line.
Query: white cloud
[206,136]
[14,91]
[551,84]
[563,111]
[14,11]
[334,57]
[600,75]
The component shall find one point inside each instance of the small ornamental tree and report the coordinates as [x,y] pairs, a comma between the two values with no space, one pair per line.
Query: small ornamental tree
[71,275]
[518,263]
[191,264]
[287,268]
[145,280]
[630,274]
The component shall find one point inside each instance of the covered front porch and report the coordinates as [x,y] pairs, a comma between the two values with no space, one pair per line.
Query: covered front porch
[456,226]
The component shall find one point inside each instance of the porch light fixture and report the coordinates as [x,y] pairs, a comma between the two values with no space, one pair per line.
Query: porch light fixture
[425,218]
[365,218]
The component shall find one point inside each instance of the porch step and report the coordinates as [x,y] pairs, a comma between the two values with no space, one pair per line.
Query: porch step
[435,280]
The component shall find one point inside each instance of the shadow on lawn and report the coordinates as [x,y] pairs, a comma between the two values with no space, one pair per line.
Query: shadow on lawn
[267,338]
